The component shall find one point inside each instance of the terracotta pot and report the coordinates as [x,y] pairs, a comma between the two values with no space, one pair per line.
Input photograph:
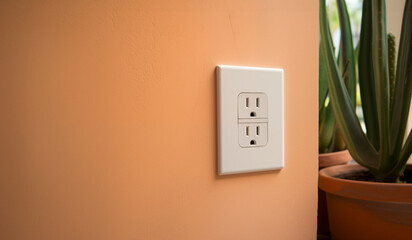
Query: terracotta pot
[335,158]
[366,210]
[325,160]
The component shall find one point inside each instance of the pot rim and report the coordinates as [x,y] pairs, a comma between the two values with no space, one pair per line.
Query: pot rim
[333,158]
[372,191]
[334,153]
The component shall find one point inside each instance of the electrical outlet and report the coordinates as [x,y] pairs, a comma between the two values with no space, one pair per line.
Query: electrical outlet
[250,119]
[252,105]
[253,134]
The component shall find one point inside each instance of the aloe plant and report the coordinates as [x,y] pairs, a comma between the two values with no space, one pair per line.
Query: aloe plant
[385,88]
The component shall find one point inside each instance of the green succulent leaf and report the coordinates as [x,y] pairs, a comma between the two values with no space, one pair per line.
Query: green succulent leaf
[337,143]
[323,83]
[403,85]
[406,150]
[381,77]
[392,60]
[366,78]
[347,59]
[326,128]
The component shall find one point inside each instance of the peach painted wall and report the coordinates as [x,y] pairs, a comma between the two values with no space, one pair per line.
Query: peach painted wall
[108,119]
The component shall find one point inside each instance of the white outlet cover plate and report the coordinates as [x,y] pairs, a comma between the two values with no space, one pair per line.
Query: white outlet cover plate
[231,81]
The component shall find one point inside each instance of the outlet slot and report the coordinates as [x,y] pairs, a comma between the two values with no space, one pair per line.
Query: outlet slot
[257,102]
[252,114]
[247,102]
[247,131]
[252,142]
[257,130]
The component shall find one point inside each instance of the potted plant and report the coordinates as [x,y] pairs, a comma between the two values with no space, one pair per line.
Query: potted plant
[372,200]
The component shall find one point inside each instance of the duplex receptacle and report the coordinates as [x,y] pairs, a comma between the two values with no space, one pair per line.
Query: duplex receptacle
[252,105]
[253,119]
[253,134]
